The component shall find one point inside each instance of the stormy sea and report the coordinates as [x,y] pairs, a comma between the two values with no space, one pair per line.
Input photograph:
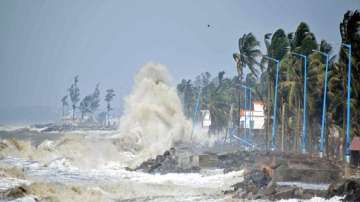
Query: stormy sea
[155,154]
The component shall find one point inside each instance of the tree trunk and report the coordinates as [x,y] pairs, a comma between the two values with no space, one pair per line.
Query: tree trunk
[287,136]
[282,124]
[327,152]
[310,138]
[268,113]
[297,131]
[341,151]
[238,114]
[73,112]
[108,117]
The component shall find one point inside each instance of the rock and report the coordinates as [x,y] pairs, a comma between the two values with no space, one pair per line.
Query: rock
[299,193]
[257,184]
[258,177]
[350,188]
[166,163]
[14,193]
[270,189]
[285,193]
[3,146]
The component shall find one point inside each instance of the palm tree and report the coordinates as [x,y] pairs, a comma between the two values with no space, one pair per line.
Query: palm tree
[64,103]
[336,104]
[349,34]
[110,94]
[290,92]
[277,48]
[187,91]
[218,103]
[247,55]
[266,81]
[316,78]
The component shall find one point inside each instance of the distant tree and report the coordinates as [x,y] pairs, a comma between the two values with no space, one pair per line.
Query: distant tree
[95,102]
[90,103]
[85,105]
[64,104]
[74,92]
[187,91]
[221,77]
[101,118]
[108,98]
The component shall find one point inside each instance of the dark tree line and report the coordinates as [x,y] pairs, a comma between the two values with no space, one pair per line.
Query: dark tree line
[222,96]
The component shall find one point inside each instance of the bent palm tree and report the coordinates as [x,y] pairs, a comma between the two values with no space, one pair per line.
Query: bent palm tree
[247,55]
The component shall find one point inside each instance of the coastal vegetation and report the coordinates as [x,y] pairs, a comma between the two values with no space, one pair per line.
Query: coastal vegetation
[223,94]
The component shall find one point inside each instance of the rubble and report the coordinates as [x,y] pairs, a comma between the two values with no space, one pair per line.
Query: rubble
[258,184]
[350,188]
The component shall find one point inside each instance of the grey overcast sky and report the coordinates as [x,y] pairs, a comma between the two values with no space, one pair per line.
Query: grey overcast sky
[43,44]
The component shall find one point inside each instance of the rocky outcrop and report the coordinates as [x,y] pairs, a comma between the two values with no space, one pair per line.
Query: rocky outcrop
[169,162]
[258,184]
[14,193]
[350,188]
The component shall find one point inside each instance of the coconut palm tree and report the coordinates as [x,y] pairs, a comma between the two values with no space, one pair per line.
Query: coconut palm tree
[218,103]
[64,103]
[349,34]
[247,56]
[290,92]
[265,81]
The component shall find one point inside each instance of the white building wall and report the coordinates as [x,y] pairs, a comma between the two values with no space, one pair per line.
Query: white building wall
[254,119]
[206,119]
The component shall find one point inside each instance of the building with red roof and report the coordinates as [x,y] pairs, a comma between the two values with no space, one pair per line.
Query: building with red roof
[355,151]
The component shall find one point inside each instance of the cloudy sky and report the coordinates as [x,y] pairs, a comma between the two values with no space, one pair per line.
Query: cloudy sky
[43,44]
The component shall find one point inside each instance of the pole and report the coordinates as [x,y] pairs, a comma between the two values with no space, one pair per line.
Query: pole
[275,106]
[347,143]
[250,104]
[239,104]
[245,105]
[275,102]
[305,106]
[324,108]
